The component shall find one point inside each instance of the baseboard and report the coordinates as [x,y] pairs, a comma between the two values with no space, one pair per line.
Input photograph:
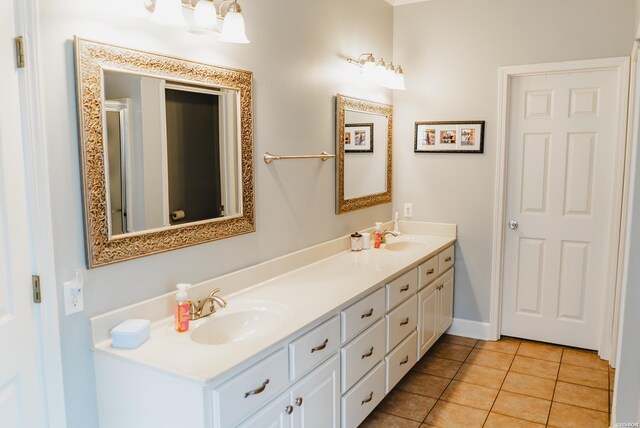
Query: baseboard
[468,328]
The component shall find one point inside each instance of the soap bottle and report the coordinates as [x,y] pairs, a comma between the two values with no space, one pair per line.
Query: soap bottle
[377,235]
[181,311]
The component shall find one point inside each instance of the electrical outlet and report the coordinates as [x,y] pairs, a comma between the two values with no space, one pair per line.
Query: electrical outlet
[408,210]
[74,294]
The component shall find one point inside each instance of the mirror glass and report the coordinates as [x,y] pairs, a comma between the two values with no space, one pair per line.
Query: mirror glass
[364,146]
[172,152]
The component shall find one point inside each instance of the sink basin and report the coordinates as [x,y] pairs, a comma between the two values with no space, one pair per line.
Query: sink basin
[404,245]
[241,320]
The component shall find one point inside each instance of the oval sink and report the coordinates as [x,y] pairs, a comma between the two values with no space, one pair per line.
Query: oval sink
[240,321]
[404,245]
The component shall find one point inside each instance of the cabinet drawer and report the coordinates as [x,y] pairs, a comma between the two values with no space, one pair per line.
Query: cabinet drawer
[402,288]
[401,322]
[400,361]
[251,389]
[362,314]
[428,271]
[364,397]
[314,347]
[446,258]
[364,352]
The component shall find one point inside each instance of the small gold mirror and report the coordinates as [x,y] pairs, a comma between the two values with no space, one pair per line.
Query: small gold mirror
[363,150]
[167,152]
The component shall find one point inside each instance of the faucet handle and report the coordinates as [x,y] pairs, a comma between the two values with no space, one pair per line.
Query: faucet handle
[214,292]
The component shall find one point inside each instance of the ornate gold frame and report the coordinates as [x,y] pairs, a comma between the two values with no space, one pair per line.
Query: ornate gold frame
[91,59]
[346,103]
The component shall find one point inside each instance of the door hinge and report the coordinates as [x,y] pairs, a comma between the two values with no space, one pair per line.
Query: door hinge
[35,282]
[20,52]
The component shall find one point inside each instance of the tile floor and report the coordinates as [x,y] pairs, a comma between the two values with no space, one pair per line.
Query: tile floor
[464,382]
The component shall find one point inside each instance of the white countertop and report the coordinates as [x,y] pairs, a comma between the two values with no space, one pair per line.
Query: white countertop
[309,294]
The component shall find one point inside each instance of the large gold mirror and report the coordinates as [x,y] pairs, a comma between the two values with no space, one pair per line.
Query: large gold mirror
[167,151]
[363,146]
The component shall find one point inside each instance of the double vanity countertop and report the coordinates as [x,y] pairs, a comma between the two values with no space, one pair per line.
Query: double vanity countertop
[280,307]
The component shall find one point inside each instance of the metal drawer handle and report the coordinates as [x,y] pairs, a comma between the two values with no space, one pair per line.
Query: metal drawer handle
[257,390]
[431,271]
[405,360]
[320,347]
[299,401]
[405,288]
[369,398]
[288,409]
[368,354]
[404,321]
[367,315]
[448,259]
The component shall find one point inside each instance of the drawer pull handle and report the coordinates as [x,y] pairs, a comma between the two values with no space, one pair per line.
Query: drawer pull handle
[366,400]
[367,315]
[288,409]
[405,360]
[320,347]
[431,271]
[448,259]
[405,288]
[257,390]
[299,401]
[368,354]
[404,321]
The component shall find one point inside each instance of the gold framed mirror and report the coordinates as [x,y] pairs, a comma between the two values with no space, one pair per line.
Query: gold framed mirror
[364,153]
[166,151]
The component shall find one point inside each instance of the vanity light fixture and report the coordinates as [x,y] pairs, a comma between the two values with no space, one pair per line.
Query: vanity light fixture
[169,13]
[379,72]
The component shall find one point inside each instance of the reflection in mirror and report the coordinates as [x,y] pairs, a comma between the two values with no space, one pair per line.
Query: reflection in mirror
[172,152]
[364,148]
[167,151]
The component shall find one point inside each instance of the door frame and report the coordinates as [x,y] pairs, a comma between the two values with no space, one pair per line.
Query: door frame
[506,74]
[40,215]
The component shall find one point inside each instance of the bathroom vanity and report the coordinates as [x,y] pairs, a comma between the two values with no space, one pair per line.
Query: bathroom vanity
[316,338]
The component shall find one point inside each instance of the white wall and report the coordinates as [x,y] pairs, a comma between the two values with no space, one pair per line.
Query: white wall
[297,54]
[450,51]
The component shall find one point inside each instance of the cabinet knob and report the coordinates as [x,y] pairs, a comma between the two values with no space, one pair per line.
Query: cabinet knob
[448,259]
[288,409]
[299,401]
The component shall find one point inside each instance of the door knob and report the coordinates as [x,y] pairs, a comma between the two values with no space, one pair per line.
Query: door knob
[513,225]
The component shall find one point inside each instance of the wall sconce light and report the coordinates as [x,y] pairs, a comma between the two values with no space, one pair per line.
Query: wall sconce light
[206,19]
[379,72]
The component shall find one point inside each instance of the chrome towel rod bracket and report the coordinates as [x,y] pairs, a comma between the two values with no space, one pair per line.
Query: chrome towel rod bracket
[324,156]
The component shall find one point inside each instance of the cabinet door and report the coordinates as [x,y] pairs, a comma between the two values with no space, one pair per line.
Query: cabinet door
[445,302]
[316,399]
[428,319]
[276,414]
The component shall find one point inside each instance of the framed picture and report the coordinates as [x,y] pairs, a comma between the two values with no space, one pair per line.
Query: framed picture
[449,137]
[358,138]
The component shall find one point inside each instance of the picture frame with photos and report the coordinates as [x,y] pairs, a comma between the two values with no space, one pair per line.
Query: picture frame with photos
[449,137]
[358,138]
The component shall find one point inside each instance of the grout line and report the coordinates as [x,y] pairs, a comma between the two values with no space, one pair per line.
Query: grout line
[555,387]
[502,384]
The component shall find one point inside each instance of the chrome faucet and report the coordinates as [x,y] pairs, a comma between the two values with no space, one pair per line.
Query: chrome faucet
[383,237]
[196,309]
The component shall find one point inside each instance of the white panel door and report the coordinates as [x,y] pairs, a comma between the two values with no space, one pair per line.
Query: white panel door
[562,142]
[20,394]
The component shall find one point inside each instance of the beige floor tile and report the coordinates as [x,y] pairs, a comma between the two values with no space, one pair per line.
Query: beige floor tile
[383,420]
[438,366]
[404,404]
[450,351]
[506,345]
[522,407]
[496,420]
[468,394]
[584,359]
[496,360]
[423,384]
[481,375]
[529,385]
[458,340]
[566,416]
[584,376]
[446,414]
[535,367]
[541,351]
[583,396]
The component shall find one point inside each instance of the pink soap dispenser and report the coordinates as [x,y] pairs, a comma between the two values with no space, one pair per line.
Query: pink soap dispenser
[181,311]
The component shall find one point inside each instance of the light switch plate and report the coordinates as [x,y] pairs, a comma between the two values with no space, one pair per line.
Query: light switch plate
[74,294]
[408,210]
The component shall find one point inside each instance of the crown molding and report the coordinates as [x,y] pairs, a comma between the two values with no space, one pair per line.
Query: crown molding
[402,2]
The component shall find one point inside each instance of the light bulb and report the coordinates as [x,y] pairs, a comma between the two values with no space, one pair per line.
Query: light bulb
[169,13]
[204,18]
[380,76]
[233,25]
[368,68]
